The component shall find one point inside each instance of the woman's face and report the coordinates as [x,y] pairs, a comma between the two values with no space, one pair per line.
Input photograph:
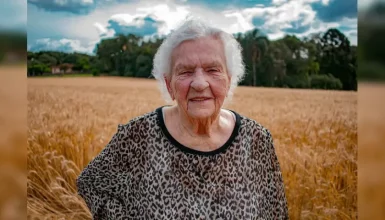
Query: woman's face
[199,81]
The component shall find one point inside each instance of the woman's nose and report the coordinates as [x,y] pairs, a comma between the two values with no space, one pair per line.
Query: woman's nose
[199,81]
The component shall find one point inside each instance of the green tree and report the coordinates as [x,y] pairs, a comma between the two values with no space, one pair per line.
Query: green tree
[295,45]
[336,58]
[325,82]
[255,46]
[70,58]
[105,51]
[36,68]
[280,53]
[143,66]
[47,59]
[286,62]
[82,64]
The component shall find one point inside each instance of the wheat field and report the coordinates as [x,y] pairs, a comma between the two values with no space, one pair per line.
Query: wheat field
[70,120]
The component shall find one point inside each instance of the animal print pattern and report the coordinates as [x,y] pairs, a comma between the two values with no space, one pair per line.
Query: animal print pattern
[143,173]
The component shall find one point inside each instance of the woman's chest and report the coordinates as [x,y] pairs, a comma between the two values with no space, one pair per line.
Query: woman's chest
[183,188]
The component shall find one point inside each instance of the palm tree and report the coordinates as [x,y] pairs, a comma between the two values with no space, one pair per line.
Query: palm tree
[255,46]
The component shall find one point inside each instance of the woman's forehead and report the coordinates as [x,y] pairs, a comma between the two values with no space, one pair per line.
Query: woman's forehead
[205,52]
[202,43]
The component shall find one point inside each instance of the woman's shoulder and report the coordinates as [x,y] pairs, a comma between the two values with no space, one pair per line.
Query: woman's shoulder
[141,122]
[251,126]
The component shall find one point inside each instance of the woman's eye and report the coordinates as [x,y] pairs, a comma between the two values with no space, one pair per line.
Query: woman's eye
[212,70]
[185,72]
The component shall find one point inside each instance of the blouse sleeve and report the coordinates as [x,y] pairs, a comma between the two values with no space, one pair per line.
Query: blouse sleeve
[279,205]
[95,184]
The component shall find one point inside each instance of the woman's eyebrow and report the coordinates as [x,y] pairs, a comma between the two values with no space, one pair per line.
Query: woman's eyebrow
[183,66]
[212,64]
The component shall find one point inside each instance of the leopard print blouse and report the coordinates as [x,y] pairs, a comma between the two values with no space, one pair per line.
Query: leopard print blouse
[144,173]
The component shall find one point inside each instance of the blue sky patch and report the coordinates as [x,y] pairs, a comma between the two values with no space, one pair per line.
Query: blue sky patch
[336,10]
[148,28]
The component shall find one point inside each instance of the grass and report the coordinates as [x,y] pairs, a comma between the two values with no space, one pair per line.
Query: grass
[70,121]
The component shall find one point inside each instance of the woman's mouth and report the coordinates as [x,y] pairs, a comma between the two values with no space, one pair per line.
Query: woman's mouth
[200,99]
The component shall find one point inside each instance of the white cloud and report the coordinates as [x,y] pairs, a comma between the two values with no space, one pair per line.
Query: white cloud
[127,19]
[87,1]
[100,28]
[318,27]
[166,14]
[281,17]
[351,32]
[71,2]
[349,22]
[60,2]
[282,14]
[325,2]
[64,45]
[277,17]
[278,2]
[242,24]
[352,36]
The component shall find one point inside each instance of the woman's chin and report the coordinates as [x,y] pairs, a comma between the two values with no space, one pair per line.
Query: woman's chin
[201,111]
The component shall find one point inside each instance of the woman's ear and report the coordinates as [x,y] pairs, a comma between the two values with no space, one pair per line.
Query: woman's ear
[167,80]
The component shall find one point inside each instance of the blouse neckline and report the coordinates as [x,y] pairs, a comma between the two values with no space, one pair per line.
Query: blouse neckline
[186,149]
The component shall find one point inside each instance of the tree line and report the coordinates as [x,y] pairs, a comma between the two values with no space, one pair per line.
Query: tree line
[323,61]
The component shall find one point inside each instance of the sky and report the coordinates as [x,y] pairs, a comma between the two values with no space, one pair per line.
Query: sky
[78,25]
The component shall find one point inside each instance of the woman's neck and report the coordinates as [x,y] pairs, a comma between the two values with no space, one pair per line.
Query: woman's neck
[202,128]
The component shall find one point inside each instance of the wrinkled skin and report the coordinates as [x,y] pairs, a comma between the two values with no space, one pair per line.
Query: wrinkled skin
[199,83]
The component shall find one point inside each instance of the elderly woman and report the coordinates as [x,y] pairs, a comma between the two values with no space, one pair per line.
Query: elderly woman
[194,159]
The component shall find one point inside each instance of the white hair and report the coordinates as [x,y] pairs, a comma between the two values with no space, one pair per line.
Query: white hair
[194,28]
